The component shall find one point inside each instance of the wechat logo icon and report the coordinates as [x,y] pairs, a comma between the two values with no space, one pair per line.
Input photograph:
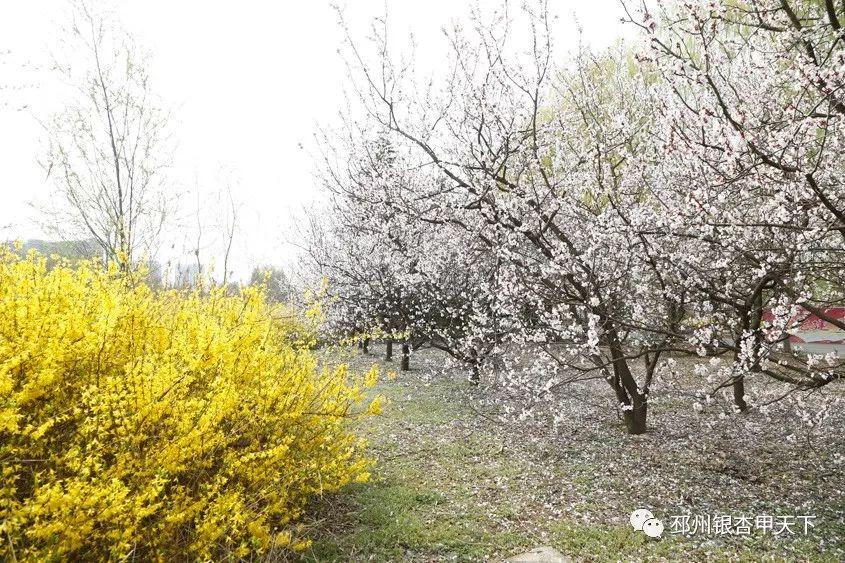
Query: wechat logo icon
[642,520]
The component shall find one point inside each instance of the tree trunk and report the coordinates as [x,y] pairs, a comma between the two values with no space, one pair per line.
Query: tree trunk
[475,376]
[388,355]
[739,382]
[752,321]
[634,407]
[366,346]
[622,397]
[634,403]
[739,393]
[638,415]
[406,357]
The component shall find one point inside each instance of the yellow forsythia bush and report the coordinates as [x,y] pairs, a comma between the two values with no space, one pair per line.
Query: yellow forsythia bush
[160,424]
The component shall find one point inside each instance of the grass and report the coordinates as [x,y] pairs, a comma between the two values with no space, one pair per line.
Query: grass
[451,484]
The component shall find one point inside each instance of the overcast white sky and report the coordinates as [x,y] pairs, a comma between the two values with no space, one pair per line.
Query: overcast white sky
[247,82]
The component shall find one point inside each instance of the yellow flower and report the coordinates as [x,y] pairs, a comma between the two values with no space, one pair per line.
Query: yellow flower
[371,378]
[375,406]
[172,422]
[301,545]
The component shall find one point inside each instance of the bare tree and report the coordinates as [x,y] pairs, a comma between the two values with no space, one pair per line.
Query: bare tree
[229,226]
[106,150]
[216,224]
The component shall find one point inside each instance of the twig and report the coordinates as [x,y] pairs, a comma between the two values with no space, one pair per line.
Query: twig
[11,546]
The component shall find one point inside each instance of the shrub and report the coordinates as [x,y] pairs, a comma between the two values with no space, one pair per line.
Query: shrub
[161,423]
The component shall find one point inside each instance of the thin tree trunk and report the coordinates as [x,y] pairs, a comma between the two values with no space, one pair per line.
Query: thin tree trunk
[622,397]
[634,402]
[739,384]
[406,357]
[366,346]
[231,237]
[750,322]
[639,415]
[388,355]
[475,376]
[739,393]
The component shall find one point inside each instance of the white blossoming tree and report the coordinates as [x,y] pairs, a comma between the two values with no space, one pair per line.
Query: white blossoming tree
[680,197]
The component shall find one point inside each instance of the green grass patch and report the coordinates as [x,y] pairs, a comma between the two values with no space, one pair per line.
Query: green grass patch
[451,486]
